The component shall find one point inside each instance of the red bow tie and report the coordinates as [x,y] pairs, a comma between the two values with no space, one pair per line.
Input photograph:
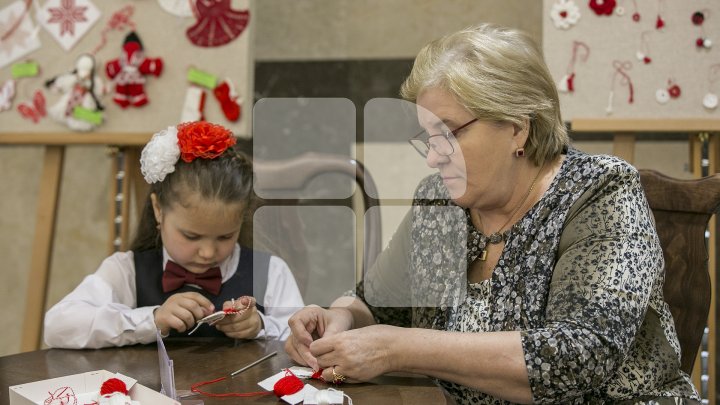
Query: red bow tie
[175,276]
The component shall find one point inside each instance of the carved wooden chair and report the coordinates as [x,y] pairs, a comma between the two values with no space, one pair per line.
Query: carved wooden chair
[682,209]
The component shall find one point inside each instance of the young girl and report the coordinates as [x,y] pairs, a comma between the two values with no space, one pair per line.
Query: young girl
[184,263]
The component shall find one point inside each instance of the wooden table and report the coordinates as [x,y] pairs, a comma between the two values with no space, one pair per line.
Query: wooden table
[203,359]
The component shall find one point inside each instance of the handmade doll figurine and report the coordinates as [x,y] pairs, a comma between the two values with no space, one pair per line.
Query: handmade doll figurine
[79,88]
[128,73]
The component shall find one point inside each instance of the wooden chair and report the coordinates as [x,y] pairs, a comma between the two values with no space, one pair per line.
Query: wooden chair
[281,183]
[682,209]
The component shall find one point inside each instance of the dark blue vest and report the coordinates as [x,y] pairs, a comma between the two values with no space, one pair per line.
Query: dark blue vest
[250,278]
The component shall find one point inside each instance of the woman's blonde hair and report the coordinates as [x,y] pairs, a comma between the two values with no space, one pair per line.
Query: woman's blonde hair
[498,74]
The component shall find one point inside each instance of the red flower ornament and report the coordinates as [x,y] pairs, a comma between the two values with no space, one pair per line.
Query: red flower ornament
[602,7]
[202,139]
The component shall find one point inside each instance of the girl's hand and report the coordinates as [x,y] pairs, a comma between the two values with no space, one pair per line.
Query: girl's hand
[181,311]
[240,326]
[359,354]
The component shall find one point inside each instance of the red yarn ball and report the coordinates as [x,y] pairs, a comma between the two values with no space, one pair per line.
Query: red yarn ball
[288,385]
[113,385]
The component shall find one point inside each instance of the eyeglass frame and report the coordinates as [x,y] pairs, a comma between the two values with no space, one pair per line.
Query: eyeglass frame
[446,134]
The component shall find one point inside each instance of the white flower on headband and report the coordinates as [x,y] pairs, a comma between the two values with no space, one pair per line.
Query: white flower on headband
[159,156]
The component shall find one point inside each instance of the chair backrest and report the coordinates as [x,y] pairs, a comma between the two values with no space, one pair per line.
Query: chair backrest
[682,209]
[280,178]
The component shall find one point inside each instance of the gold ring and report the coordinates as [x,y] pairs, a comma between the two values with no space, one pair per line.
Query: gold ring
[337,378]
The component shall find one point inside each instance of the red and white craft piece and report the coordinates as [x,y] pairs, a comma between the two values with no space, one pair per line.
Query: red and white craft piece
[660,21]
[567,82]
[621,68]
[564,14]
[33,110]
[67,21]
[643,53]
[636,13]
[238,307]
[217,23]
[18,34]
[673,91]
[7,93]
[698,18]
[710,100]
[602,7]
[114,392]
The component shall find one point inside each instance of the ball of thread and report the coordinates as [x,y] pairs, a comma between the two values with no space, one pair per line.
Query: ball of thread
[288,385]
[113,385]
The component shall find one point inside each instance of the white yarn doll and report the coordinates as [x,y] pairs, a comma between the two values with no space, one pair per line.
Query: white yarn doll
[79,88]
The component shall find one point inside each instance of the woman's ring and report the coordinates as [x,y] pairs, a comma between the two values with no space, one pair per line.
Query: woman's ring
[337,378]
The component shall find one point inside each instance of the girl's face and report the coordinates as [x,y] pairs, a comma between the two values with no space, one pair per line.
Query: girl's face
[200,233]
[479,170]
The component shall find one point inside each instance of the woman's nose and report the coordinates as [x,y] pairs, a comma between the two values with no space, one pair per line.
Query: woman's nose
[434,159]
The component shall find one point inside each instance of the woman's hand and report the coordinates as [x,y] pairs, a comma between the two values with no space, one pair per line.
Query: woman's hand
[181,311]
[358,354]
[241,326]
[314,322]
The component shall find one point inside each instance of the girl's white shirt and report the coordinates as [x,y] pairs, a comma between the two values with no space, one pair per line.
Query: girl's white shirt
[102,311]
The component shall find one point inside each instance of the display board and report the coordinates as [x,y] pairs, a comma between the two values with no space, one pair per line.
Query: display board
[634,58]
[204,46]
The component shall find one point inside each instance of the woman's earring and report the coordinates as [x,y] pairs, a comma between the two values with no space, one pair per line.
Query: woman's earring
[519,152]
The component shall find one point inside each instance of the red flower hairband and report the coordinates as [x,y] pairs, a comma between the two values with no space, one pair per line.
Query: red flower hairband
[202,139]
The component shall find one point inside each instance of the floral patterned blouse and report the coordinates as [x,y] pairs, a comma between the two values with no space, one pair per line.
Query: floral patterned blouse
[580,277]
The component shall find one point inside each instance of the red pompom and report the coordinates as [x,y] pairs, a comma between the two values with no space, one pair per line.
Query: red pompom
[288,385]
[113,385]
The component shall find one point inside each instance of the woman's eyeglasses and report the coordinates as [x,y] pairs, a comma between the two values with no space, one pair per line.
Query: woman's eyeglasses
[441,143]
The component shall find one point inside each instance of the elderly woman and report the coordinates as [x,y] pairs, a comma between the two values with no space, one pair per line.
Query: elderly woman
[534,270]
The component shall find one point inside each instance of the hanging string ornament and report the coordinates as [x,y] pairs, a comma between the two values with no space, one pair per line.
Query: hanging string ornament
[7,93]
[673,91]
[710,100]
[567,82]
[564,14]
[602,7]
[119,21]
[67,21]
[18,34]
[621,69]
[636,13]
[217,23]
[643,54]
[620,10]
[698,18]
[660,21]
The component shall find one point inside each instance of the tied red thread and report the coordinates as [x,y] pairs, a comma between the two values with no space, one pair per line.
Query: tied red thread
[620,68]
[288,385]
[118,21]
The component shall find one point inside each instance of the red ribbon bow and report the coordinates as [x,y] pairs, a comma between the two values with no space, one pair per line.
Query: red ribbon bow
[175,276]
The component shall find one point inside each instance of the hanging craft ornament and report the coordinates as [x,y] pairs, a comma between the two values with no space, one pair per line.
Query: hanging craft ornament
[620,10]
[567,82]
[673,91]
[79,105]
[564,14]
[621,69]
[129,70]
[636,13]
[710,100]
[18,34]
[68,21]
[228,98]
[698,18]
[217,23]
[602,7]
[7,93]
[659,21]
[643,54]
[180,8]
[34,109]
[120,20]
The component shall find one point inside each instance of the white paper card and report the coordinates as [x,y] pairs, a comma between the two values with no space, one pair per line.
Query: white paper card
[329,396]
[25,37]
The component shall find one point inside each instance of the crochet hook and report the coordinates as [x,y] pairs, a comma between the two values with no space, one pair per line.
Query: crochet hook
[254,363]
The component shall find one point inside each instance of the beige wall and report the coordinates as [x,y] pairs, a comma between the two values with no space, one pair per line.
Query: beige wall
[285,30]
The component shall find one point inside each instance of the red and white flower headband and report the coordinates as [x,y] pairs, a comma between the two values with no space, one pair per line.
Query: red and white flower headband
[188,141]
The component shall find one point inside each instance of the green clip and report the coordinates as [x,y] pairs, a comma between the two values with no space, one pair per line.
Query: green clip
[202,78]
[25,69]
[83,114]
